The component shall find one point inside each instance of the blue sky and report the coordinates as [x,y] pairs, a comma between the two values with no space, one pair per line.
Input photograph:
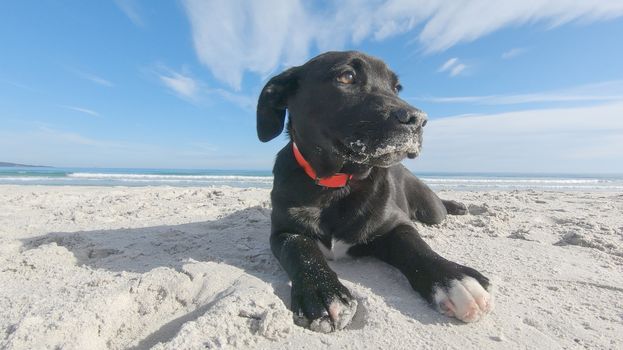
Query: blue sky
[511,86]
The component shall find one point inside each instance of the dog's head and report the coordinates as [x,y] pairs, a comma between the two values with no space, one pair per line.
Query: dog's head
[344,111]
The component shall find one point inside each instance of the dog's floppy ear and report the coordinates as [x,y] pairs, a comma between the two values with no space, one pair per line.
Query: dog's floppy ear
[271,107]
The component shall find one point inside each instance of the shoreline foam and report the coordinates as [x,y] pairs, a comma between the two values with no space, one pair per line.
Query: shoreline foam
[263,179]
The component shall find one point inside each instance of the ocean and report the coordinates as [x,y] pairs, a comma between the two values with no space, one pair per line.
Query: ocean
[263,179]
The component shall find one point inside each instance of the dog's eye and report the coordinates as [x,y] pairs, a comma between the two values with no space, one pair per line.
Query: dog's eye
[397,88]
[346,78]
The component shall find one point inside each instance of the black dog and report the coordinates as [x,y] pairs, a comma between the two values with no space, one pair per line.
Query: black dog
[339,188]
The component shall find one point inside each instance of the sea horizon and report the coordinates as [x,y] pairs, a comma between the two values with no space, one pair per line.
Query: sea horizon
[241,178]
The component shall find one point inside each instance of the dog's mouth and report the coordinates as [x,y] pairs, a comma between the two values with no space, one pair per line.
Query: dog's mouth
[382,153]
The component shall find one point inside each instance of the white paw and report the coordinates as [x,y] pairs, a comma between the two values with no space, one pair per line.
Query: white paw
[464,299]
[342,314]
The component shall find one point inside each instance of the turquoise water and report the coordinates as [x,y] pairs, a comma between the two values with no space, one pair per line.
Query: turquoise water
[263,179]
[133,177]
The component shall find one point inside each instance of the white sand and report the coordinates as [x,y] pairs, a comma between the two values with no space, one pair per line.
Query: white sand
[176,268]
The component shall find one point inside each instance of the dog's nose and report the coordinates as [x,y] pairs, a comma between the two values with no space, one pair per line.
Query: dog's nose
[409,116]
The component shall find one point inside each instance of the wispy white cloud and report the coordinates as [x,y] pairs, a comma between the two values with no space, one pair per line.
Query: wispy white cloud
[596,92]
[448,64]
[458,69]
[182,84]
[236,36]
[453,66]
[19,85]
[514,52]
[82,110]
[131,10]
[92,77]
[193,89]
[233,36]
[246,102]
[585,139]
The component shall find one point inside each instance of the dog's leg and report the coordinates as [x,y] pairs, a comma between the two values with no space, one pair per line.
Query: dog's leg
[319,301]
[455,290]
[425,205]
[454,207]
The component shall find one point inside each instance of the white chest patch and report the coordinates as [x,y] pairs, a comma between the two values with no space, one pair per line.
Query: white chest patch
[338,249]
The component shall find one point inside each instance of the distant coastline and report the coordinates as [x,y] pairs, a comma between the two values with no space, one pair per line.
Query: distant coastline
[15,165]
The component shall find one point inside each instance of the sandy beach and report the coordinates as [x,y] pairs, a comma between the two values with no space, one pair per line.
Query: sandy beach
[189,268]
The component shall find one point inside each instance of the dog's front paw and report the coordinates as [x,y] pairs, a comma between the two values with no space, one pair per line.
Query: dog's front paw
[464,295]
[323,306]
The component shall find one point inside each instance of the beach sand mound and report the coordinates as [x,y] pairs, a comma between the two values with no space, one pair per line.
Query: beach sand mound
[188,268]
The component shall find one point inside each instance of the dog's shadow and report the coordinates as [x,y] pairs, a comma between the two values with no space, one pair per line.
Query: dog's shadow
[239,239]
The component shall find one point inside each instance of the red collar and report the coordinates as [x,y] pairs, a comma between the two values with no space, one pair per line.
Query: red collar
[335,181]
